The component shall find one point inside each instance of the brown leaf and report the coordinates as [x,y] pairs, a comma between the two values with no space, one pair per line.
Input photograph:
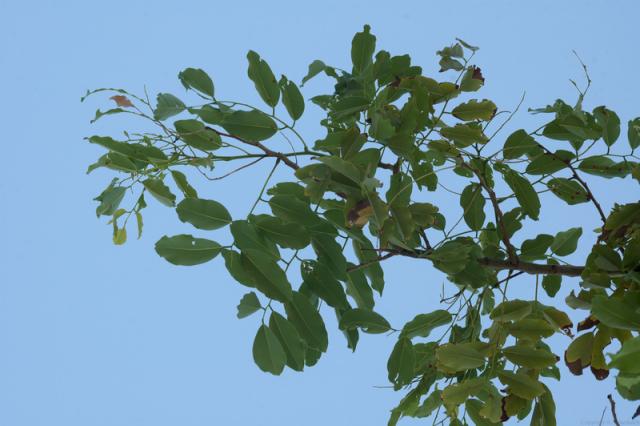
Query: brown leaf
[588,323]
[122,101]
[477,74]
[359,215]
[600,373]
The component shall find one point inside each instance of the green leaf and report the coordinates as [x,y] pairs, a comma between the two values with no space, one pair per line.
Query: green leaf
[359,290]
[567,190]
[268,353]
[119,236]
[110,200]
[289,339]
[195,134]
[422,324]
[521,385]
[252,126]
[472,201]
[139,224]
[307,321]
[566,242]
[578,354]
[292,98]
[511,310]
[186,250]
[535,249]
[233,263]
[633,133]
[548,163]
[344,168]
[519,143]
[531,329]
[603,166]
[401,362]
[197,79]
[544,412]
[315,68]
[362,48]
[367,320]
[248,305]
[453,357]
[615,313]
[475,110]
[267,275]
[610,123]
[627,360]
[167,106]
[203,214]
[288,235]
[260,73]
[247,237]
[472,79]
[551,284]
[330,253]
[160,191]
[527,356]
[181,182]
[322,283]
[464,135]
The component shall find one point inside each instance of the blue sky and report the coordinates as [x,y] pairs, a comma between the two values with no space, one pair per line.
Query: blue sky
[94,334]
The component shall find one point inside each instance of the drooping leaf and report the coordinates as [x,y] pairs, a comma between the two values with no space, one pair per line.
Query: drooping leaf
[567,190]
[268,353]
[290,340]
[160,191]
[307,321]
[610,123]
[521,385]
[401,362]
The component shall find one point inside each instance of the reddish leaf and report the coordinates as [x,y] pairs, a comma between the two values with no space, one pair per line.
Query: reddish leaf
[122,101]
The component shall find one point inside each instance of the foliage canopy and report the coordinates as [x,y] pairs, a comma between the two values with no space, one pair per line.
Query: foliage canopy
[394,137]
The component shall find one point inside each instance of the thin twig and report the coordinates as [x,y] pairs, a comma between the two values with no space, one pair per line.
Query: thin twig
[613,410]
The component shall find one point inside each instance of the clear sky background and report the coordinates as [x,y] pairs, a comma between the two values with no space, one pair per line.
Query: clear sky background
[94,334]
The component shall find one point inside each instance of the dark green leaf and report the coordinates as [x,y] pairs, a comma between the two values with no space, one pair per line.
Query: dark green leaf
[248,305]
[181,182]
[160,191]
[292,98]
[267,275]
[167,106]
[519,143]
[362,48]
[252,126]
[288,235]
[260,73]
[566,242]
[567,190]
[401,362]
[369,321]
[195,134]
[423,324]
[472,201]
[315,68]
[268,352]
[186,250]
[610,123]
[307,321]
[521,385]
[289,339]
[203,214]
[197,79]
